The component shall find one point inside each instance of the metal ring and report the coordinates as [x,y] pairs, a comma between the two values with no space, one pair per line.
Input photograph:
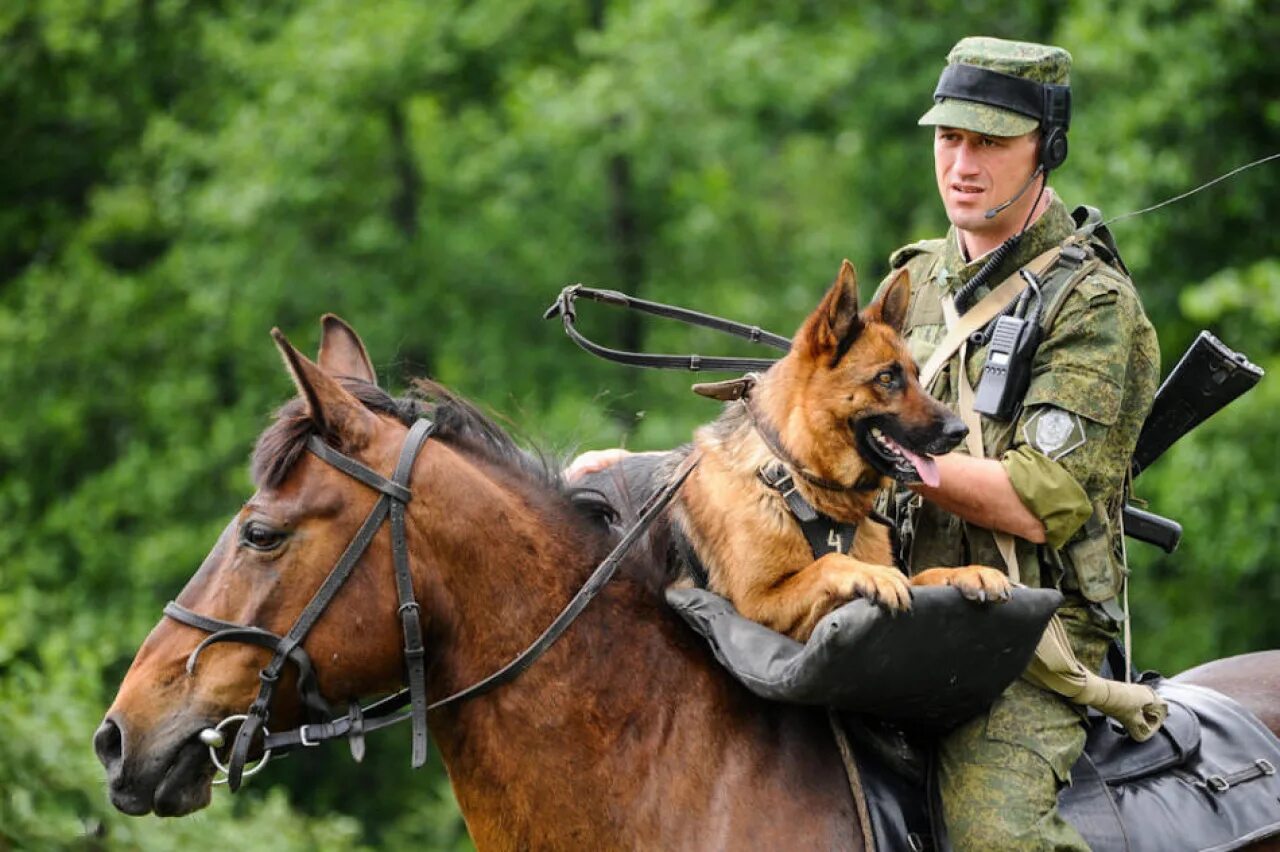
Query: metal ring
[248,770]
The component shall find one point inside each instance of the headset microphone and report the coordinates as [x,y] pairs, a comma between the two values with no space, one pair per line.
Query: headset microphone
[998,209]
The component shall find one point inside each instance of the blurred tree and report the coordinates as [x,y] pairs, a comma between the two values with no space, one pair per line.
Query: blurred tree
[181,176]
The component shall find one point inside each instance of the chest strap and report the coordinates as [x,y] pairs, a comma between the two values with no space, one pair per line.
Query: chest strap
[824,533]
[979,315]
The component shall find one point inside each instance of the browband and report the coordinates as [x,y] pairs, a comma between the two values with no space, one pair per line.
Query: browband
[1016,94]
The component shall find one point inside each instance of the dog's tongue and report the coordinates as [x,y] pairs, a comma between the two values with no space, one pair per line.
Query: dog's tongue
[925,466]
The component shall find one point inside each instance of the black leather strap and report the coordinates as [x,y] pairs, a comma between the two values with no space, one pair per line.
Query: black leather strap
[601,575]
[392,709]
[410,619]
[563,308]
[395,493]
[774,442]
[824,533]
[354,469]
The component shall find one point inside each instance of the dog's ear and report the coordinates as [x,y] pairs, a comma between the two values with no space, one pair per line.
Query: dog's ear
[891,307]
[835,325]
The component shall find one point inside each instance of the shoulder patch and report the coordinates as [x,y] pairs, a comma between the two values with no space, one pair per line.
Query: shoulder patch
[904,254]
[1054,431]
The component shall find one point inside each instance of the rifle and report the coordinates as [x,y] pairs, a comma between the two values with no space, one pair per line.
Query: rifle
[1208,377]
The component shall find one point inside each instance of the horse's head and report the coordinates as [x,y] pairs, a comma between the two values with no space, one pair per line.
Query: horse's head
[266,566]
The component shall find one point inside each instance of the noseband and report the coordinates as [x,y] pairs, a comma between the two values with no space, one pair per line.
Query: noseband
[390,710]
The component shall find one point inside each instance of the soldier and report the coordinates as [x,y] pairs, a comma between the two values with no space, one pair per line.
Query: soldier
[1047,480]
[1038,489]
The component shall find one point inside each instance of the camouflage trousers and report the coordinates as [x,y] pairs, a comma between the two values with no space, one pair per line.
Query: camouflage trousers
[1000,774]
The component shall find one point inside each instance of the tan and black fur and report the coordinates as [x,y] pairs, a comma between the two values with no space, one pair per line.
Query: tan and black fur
[846,367]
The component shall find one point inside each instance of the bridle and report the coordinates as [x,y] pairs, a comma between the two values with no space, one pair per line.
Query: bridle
[395,496]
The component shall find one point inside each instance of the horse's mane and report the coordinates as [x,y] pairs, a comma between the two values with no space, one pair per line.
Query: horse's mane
[458,423]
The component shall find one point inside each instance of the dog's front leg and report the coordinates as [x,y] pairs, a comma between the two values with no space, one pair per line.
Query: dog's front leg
[795,604]
[975,582]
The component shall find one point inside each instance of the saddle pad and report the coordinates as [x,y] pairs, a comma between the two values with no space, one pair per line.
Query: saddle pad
[936,666]
[1224,794]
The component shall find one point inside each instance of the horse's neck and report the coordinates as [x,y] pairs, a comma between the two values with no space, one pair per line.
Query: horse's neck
[624,728]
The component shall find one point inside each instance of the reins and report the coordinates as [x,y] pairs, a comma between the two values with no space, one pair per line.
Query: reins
[563,307]
[395,495]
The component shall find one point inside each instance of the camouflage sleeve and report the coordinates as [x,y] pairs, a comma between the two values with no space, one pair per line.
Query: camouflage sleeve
[1091,387]
[1048,492]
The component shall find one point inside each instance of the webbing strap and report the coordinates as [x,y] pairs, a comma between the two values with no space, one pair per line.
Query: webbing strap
[981,314]
[973,440]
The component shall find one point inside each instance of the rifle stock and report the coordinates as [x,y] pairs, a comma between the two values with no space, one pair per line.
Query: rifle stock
[1208,377]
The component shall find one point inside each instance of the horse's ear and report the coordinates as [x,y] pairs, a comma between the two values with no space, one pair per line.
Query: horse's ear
[333,409]
[891,307]
[831,329]
[342,352]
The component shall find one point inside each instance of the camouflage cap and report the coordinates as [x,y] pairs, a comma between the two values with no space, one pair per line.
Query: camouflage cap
[1038,62]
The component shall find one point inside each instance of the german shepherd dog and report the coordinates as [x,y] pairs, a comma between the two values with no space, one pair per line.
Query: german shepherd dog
[841,414]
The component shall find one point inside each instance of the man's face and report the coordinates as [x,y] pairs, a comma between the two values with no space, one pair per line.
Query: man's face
[976,172]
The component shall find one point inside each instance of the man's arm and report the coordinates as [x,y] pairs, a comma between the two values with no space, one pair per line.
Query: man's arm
[979,491]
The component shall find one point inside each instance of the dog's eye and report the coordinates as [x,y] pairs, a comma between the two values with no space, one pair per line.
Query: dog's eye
[886,378]
[259,536]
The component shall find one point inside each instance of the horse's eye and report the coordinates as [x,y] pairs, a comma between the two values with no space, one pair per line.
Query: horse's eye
[886,378]
[259,536]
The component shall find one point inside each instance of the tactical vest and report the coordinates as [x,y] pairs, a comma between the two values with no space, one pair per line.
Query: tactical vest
[1092,562]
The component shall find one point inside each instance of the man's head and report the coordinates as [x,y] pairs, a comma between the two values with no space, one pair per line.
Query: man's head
[1001,110]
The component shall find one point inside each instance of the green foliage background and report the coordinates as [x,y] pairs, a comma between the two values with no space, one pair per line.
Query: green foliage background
[179,176]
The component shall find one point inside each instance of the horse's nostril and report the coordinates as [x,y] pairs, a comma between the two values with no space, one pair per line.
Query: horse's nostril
[108,742]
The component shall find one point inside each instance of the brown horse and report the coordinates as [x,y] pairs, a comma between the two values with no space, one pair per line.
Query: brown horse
[624,734]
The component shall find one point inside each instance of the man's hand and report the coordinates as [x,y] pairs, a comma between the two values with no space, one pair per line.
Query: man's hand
[593,461]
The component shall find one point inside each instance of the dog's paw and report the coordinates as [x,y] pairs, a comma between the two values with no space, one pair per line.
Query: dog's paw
[982,584]
[879,584]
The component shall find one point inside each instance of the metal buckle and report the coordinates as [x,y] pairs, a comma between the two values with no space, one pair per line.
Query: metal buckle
[1217,784]
[214,739]
[302,737]
[1265,766]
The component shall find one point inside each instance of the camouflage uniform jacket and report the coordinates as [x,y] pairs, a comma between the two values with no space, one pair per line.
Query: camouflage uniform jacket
[1067,449]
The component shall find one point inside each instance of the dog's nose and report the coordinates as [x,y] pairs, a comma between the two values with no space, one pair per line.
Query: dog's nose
[954,430]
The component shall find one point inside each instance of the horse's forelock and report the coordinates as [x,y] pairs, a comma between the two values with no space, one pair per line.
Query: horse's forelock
[284,441]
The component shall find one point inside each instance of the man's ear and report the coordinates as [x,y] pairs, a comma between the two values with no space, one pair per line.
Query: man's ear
[334,411]
[833,327]
[891,307]
[342,353]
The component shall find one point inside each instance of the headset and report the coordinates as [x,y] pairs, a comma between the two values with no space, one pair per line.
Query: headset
[1047,103]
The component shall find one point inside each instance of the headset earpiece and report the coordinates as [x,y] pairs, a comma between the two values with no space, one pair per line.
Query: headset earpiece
[1053,148]
[1055,120]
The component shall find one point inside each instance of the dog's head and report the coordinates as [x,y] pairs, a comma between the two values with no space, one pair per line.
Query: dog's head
[848,394]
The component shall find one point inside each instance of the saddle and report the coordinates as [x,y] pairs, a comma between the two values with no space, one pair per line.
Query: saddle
[1207,779]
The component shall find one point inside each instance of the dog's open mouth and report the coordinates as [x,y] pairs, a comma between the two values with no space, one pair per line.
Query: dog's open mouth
[892,459]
